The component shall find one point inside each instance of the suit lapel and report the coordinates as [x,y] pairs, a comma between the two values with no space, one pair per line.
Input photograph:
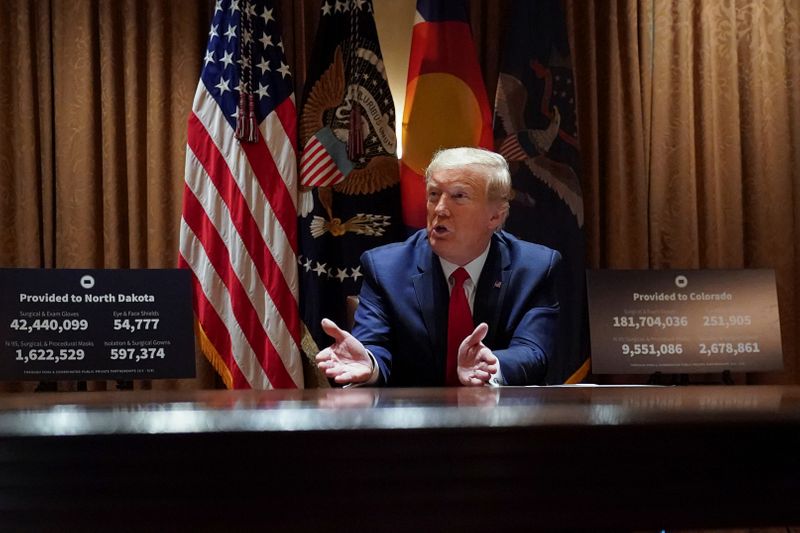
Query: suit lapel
[432,296]
[492,287]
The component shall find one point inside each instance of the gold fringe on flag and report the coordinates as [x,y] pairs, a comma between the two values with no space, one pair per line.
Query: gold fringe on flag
[310,350]
[213,355]
[579,374]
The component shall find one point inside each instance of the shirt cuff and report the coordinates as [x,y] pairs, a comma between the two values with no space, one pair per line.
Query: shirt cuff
[373,377]
[376,371]
[497,379]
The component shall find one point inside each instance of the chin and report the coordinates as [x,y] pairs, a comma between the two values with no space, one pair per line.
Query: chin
[437,247]
[445,253]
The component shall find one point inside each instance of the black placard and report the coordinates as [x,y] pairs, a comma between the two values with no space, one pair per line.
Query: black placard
[683,322]
[70,324]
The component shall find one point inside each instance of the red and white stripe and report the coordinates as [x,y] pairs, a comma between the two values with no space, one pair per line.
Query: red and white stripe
[511,149]
[317,167]
[239,238]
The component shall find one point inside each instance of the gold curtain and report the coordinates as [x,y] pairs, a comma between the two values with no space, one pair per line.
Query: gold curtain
[689,117]
[123,72]
[688,110]
[94,105]
[26,152]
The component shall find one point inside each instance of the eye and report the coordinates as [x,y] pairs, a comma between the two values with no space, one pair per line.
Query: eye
[433,195]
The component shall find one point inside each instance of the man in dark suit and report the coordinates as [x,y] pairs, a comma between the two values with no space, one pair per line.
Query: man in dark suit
[420,299]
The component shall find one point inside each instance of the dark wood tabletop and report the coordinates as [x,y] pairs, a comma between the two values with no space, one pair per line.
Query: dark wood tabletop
[364,459]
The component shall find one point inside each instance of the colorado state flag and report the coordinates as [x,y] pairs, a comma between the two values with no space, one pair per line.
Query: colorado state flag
[446,103]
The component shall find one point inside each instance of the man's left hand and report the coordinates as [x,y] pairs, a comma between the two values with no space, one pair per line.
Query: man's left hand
[476,362]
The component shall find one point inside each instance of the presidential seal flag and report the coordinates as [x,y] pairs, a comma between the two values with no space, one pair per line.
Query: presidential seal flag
[349,195]
[446,103]
[536,131]
[239,227]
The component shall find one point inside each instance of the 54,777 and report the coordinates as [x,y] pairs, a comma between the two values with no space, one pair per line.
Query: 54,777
[135,324]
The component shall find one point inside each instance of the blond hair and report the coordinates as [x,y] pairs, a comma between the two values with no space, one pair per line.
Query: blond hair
[491,165]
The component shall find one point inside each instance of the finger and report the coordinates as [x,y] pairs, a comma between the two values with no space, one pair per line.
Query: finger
[487,356]
[344,377]
[330,327]
[333,371]
[479,356]
[481,375]
[475,382]
[485,367]
[348,377]
[323,355]
[477,334]
[325,365]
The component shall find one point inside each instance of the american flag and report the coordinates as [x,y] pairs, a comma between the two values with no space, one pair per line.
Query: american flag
[239,227]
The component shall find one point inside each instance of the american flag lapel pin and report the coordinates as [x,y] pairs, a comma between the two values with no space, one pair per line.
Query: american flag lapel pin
[498,284]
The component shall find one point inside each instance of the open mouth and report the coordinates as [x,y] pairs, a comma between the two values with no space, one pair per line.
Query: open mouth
[439,230]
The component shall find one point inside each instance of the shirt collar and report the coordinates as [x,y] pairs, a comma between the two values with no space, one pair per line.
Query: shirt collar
[473,268]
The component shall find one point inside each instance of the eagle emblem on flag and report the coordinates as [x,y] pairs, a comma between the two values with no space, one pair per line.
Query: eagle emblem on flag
[536,130]
[531,146]
[348,178]
[347,131]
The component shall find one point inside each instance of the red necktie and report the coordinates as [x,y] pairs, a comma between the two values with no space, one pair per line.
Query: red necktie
[459,324]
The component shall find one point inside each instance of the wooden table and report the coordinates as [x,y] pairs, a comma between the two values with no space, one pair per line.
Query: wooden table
[402,460]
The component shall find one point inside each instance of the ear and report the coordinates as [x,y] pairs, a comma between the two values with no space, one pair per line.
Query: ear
[498,216]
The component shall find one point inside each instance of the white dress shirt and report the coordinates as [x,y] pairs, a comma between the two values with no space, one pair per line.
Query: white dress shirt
[473,268]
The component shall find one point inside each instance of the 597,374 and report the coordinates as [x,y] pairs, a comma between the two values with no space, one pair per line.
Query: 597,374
[137,354]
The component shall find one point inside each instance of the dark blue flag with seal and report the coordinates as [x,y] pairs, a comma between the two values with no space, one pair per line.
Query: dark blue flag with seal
[349,198]
[535,128]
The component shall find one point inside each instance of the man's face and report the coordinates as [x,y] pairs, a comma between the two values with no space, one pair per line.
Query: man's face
[461,219]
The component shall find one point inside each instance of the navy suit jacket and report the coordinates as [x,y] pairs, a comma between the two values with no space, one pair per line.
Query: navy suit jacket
[402,312]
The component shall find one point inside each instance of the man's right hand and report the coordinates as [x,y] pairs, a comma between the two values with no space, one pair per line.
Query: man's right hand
[346,360]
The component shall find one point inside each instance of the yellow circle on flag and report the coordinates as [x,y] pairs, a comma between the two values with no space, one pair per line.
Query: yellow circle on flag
[443,113]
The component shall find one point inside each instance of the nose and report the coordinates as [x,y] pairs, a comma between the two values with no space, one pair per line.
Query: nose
[441,206]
